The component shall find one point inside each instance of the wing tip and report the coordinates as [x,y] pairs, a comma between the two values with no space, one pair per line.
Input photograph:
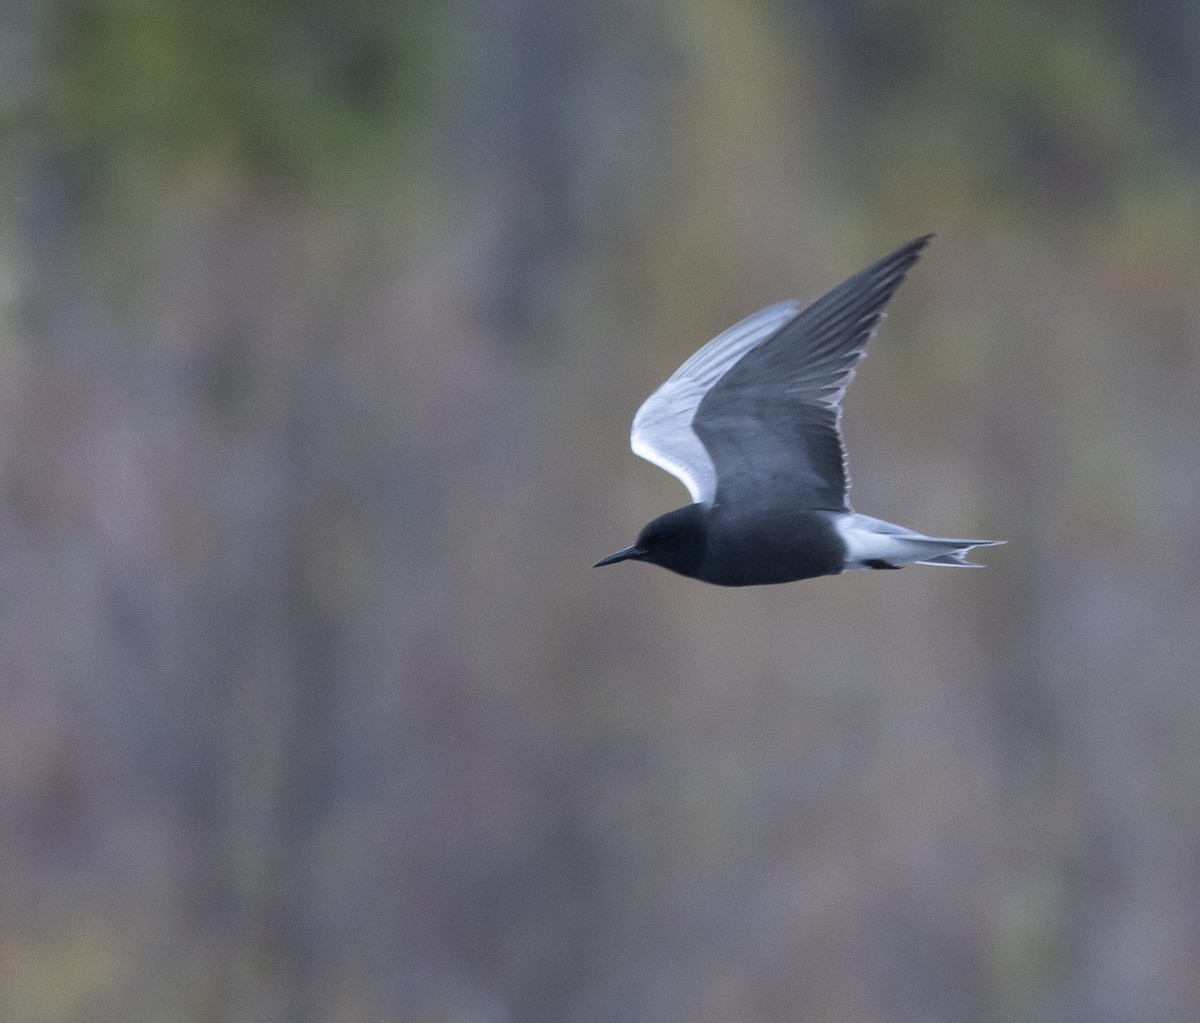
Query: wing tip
[907,254]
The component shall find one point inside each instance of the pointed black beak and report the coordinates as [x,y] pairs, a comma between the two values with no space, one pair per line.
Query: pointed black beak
[623,555]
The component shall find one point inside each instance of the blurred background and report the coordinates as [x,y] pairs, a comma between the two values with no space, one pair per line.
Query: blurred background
[321,330]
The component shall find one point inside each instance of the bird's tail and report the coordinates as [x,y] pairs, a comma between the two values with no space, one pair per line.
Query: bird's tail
[955,556]
[874,543]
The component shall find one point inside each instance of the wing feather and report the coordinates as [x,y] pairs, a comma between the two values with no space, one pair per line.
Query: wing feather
[662,429]
[758,408]
[772,423]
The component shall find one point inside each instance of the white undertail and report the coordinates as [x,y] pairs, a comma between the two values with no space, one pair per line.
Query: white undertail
[874,543]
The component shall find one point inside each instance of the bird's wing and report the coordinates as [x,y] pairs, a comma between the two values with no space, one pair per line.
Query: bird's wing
[771,422]
[662,429]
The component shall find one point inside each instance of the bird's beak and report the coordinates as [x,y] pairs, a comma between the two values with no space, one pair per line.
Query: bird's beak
[623,555]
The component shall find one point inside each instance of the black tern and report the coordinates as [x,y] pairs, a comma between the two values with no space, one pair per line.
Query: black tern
[751,425]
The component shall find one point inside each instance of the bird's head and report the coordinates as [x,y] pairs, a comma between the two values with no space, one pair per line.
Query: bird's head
[674,540]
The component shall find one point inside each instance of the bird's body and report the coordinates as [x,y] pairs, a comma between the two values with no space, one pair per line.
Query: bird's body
[751,547]
[744,546]
[751,425]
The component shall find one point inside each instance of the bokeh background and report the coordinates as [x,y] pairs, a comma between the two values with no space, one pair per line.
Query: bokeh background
[321,328]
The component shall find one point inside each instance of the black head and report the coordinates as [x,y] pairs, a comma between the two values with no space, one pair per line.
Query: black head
[674,540]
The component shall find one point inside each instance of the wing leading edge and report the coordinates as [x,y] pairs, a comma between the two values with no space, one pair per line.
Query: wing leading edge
[662,429]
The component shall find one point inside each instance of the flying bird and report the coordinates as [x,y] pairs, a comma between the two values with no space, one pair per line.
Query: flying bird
[751,425]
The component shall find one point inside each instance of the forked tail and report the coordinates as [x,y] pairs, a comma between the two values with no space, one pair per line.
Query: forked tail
[874,543]
[956,557]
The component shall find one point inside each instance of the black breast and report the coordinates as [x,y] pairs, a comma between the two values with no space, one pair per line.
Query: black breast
[761,546]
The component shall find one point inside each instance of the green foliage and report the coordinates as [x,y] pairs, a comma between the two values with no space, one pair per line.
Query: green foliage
[293,91]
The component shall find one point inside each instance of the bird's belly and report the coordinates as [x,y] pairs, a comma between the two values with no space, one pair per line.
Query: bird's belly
[773,548]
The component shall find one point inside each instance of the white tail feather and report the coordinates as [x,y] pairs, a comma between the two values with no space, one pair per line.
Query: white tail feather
[874,543]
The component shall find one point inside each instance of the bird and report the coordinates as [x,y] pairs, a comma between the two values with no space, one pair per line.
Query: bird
[751,425]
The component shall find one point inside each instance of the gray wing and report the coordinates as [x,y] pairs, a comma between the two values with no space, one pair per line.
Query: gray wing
[662,429]
[771,424]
